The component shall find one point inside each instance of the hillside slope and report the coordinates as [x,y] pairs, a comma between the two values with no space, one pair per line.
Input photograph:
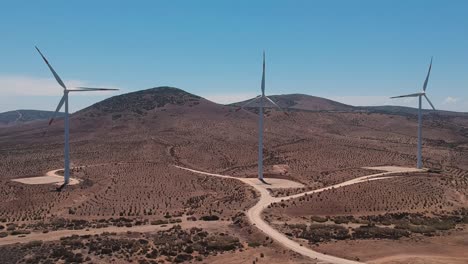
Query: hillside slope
[18,117]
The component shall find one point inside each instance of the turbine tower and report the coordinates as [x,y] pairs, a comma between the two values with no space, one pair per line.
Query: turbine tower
[63,101]
[261,99]
[420,95]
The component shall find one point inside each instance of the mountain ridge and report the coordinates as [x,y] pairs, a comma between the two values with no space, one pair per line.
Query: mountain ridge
[141,102]
[310,103]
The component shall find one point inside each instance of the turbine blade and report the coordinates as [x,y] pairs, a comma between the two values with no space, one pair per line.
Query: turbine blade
[408,95]
[275,104]
[263,75]
[248,103]
[78,89]
[52,70]
[429,101]
[59,106]
[427,77]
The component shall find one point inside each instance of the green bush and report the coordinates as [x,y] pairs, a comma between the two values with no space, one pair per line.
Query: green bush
[465,219]
[402,225]
[222,242]
[320,233]
[182,258]
[210,218]
[422,229]
[298,226]
[20,232]
[159,222]
[341,220]
[34,243]
[254,244]
[366,232]
[417,221]
[444,225]
[318,219]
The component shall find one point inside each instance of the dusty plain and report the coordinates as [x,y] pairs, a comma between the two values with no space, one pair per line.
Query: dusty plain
[132,202]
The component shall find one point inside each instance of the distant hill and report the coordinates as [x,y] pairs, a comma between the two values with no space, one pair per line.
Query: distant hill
[309,103]
[145,103]
[403,110]
[17,117]
[144,100]
[148,104]
[305,102]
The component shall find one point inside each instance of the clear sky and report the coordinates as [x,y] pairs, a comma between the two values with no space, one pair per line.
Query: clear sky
[357,52]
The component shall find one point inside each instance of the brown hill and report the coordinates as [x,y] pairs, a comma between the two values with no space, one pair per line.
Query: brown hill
[304,102]
[226,139]
[136,138]
[144,100]
[124,150]
[310,103]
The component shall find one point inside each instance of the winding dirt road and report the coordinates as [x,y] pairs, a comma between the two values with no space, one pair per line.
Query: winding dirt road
[254,214]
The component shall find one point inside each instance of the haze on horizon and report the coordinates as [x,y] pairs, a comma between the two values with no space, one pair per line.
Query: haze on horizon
[358,54]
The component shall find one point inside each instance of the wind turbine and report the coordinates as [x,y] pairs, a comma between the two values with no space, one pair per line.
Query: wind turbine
[420,95]
[63,101]
[261,98]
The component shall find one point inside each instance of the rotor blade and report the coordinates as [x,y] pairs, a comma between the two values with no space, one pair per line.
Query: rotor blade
[59,106]
[248,103]
[263,75]
[408,95]
[275,104]
[427,77]
[429,101]
[92,89]
[271,101]
[52,70]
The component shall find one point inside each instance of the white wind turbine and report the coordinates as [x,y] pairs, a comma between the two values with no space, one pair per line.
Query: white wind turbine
[262,99]
[64,100]
[420,95]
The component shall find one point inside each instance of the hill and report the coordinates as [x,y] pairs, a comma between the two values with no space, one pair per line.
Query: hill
[126,149]
[403,110]
[17,117]
[310,103]
[303,102]
[144,100]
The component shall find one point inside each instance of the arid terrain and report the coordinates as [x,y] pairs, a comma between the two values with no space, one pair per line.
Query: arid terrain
[18,117]
[136,200]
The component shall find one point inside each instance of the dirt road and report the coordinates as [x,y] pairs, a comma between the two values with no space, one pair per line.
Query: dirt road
[254,214]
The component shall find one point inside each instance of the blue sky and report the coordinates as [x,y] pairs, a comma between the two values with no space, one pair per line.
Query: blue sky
[356,52]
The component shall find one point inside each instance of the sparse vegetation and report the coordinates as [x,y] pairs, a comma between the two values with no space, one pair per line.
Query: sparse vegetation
[181,244]
[124,150]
